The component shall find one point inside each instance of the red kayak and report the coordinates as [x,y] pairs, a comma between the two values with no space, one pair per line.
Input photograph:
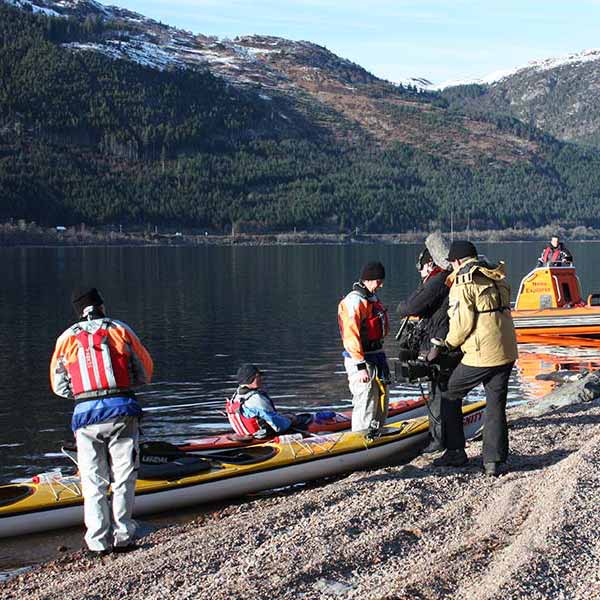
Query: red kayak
[318,422]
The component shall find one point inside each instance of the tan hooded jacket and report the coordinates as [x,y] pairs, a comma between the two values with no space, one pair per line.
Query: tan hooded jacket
[480,320]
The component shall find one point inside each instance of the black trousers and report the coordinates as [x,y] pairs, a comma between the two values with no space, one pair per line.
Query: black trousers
[495,432]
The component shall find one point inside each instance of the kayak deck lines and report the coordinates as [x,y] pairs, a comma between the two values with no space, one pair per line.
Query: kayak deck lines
[34,507]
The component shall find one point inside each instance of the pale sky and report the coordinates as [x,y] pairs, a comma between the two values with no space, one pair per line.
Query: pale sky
[440,40]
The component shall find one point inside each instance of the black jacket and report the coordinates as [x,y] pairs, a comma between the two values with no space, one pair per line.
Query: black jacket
[429,302]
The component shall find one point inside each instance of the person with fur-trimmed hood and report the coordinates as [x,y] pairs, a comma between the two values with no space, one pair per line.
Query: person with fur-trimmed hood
[481,326]
[363,324]
[429,302]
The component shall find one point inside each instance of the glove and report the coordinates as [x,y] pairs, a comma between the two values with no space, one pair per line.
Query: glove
[438,343]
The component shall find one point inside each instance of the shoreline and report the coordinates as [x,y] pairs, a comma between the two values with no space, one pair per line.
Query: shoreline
[24,235]
[388,533]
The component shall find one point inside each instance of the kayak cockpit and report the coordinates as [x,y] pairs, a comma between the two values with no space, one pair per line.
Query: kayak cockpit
[10,494]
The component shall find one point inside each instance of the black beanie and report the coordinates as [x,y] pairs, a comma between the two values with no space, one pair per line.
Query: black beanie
[372,271]
[246,373]
[83,297]
[461,249]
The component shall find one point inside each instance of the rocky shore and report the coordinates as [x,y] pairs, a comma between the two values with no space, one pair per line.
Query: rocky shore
[396,532]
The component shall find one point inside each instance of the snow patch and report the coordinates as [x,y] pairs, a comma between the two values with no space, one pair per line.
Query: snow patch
[34,7]
[255,51]
[141,52]
[546,64]
[421,83]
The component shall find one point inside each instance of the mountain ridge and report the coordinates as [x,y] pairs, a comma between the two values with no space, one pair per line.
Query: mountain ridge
[560,96]
[367,107]
[265,132]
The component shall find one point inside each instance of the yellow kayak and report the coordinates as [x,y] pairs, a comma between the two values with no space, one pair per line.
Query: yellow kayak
[55,501]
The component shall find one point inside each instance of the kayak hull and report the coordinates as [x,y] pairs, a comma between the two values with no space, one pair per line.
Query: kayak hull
[52,506]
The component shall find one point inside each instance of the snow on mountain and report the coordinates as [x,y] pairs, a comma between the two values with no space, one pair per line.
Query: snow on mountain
[486,80]
[34,7]
[144,53]
[267,61]
[421,83]
[539,66]
[245,60]
[570,59]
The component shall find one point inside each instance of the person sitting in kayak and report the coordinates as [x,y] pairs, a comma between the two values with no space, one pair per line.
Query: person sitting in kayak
[556,253]
[251,411]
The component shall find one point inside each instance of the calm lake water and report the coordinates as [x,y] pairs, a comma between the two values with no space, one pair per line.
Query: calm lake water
[202,312]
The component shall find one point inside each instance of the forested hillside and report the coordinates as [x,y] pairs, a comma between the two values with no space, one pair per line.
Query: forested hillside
[88,138]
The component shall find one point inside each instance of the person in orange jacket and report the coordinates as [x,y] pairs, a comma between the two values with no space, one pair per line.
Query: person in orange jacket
[96,363]
[363,323]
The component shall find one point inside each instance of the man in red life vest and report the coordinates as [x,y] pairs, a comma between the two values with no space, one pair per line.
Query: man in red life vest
[251,411]
[363,324]
[556,253]
[97,362]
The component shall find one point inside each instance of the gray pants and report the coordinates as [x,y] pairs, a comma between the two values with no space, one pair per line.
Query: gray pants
[368,410]
[107,455]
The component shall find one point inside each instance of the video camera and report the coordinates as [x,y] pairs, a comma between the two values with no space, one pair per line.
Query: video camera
[412,371]
[413,367]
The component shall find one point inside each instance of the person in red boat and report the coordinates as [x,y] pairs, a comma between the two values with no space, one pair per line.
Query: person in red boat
[555,253]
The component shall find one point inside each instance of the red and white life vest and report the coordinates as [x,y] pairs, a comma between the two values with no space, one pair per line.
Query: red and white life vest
[377,325]
[552,255]
[241,424]
[99,366]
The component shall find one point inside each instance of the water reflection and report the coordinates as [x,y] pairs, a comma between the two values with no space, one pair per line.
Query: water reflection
[564,362]
[202,312]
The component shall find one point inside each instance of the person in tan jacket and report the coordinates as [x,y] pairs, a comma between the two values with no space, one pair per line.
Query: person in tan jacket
[481,325]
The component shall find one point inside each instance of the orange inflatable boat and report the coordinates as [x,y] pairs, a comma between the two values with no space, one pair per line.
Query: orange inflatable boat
[550,304]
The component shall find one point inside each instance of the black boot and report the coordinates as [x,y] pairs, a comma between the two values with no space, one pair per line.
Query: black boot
[434,446]
[452,458]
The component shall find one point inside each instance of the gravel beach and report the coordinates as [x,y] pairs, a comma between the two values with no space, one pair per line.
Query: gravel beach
[402,531]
